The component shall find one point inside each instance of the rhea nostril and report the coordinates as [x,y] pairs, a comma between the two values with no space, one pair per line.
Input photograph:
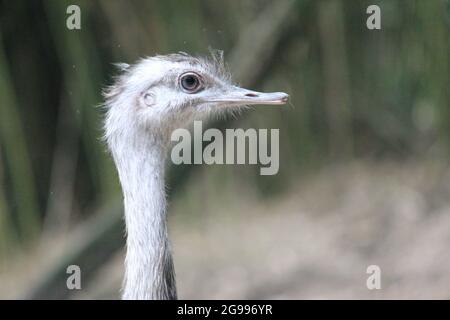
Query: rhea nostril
[252,95]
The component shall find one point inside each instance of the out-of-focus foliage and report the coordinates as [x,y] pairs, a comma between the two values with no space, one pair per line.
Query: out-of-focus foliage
[355,93]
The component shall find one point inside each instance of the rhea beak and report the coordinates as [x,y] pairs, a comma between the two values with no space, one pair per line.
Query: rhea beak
[241,96]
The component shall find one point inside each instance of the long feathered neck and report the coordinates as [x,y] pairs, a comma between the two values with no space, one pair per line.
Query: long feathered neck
[149,271]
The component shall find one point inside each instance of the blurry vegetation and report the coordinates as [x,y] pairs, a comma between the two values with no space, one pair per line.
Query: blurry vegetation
[355,93]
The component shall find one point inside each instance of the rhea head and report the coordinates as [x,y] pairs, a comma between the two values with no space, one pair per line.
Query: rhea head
[162,93]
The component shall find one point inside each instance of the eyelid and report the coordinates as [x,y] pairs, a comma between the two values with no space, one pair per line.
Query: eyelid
[191,72]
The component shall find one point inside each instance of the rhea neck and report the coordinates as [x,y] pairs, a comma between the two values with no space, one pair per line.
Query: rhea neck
[140,160]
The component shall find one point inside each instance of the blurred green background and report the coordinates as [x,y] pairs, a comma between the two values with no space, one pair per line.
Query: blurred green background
[364,149]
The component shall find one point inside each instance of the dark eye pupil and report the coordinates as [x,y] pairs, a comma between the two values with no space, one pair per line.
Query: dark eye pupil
[189,82]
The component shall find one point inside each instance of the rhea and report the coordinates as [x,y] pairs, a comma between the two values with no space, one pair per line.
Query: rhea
[147,101]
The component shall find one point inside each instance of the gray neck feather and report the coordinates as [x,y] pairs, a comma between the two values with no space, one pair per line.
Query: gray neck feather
[149,271]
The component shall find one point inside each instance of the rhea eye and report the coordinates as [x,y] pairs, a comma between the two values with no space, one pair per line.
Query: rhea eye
[190,82]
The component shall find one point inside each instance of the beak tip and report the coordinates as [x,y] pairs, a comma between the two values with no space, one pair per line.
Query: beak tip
[282,98]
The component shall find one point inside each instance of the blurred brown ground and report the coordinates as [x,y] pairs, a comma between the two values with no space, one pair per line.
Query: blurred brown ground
[314,242]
